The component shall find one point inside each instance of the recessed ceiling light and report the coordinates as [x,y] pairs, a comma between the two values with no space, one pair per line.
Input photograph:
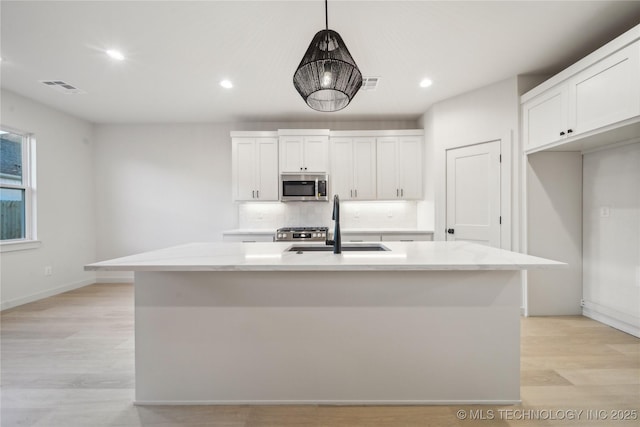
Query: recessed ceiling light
[226,84]
[115,54]
[425,83]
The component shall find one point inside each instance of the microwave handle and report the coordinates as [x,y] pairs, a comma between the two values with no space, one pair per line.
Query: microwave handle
[317,189]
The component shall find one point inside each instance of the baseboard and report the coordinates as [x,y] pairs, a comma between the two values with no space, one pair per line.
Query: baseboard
[113,277]
[329,402]
[45,294]
[613,318]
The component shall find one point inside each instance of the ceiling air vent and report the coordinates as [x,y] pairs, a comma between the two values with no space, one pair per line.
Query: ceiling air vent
[370,83]
[63,87]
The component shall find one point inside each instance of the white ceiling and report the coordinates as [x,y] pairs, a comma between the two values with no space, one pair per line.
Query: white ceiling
[178,51]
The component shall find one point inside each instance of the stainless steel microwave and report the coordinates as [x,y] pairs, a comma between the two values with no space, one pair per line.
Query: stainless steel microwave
[308,187]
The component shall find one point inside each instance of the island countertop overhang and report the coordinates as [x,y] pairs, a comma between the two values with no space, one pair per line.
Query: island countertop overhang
[272,256]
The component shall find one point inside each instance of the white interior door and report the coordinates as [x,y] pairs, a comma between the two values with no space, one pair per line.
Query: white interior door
[473,193]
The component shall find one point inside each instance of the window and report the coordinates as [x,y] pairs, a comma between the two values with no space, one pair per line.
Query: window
[17,189]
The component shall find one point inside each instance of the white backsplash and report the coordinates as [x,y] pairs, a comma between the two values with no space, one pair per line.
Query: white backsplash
[265,215]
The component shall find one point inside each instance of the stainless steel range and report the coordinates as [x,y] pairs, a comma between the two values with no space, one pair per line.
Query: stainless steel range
[304,234]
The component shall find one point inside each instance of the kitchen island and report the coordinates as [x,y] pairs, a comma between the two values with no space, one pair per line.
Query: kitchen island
[421,323]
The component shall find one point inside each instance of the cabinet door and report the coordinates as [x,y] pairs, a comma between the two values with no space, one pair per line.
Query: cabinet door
[291,148]
[355,237]
[390,237]
[316,154]
[544,117]
[364,168]
[410,167]
[341,178]
[243,164]
[387,162]
[247,238]
[607,92]
[267,169]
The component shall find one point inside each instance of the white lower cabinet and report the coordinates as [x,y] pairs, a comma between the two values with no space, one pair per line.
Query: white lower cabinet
[387,237]
[391,237]
[354,237]
[248,237]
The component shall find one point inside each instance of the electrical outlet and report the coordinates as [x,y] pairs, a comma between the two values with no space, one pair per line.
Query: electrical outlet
[389,213]
[48,270]
[356,214]
[605,211]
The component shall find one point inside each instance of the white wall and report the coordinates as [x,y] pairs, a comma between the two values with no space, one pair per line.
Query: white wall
[486,114]
[554,221]
[611,233]
[65,204]
[353,215]
[159,185]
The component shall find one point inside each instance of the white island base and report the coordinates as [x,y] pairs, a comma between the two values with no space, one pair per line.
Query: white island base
[328,337]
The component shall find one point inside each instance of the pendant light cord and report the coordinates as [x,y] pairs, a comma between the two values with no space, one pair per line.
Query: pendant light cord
[326,14]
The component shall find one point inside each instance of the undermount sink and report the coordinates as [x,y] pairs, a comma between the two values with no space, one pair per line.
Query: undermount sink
[346,247]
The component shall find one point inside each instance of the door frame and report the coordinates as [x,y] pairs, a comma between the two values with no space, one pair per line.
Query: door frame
[506,196]
[448,151]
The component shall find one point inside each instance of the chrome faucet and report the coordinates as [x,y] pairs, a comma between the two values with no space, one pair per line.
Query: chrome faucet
[337,239]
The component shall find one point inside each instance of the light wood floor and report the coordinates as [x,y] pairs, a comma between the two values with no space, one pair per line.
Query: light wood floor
[67,361]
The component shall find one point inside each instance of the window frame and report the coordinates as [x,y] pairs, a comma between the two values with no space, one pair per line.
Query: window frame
[28,151]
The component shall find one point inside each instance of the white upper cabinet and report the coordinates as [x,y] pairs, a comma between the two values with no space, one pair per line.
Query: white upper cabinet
[353,167]
[399,168]
[410,173]
[606,92]
[255,168]
[304,153]
[600,93]
[545,117]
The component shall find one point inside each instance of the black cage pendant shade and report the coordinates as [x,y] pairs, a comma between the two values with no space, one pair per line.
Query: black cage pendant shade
[327,77]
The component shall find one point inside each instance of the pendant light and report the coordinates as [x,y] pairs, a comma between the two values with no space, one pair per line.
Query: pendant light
[327,77]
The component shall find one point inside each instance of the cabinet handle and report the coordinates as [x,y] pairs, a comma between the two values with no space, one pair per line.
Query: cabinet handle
[300,168]
[253,194]
[257,194]
[561,133]
[350,193]
[397,192]
[570,131]
[402,192]
[450,231]
[356,193]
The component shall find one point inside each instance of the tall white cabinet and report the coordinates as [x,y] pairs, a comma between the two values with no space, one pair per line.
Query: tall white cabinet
[255,166]
[581,130]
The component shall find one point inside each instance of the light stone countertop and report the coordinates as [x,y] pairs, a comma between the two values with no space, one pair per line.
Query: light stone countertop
[266,231]
[272,256]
